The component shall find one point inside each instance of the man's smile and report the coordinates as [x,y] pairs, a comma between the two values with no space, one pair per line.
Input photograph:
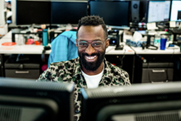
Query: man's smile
[91,58]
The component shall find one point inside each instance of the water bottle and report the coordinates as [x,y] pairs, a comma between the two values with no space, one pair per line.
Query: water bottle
[45,37]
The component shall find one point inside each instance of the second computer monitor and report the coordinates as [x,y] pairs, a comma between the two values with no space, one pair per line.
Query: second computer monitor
[67,12]
[176,11]
[32,12]
[113,13]
[158,11]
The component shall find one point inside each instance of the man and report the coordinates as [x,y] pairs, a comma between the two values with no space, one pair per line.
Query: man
[90,69]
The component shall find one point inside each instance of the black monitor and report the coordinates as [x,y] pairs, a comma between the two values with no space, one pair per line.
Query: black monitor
[32,12]
[158,11]
[176,10]
[67,12]
[114,13]
[139,102]
[28,100]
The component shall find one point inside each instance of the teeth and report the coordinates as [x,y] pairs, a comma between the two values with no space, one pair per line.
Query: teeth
[90,57]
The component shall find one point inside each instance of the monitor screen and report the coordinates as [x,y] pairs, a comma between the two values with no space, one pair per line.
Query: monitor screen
[176,11]
[113,13]
[67,12]
[28,100]
[32,12]
[139,102]
[158,11]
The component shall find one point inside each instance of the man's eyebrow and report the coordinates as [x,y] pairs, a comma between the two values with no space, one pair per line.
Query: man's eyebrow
[92,40]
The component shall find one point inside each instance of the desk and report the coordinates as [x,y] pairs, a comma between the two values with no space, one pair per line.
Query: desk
[37,49]
[148,60]
[19,49]
[170,50]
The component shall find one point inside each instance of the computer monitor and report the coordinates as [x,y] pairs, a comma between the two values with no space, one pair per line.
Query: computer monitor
[32,12]
[28,100]
[158,11]
[114,13]
[176,10]
[139,102]
[67,12]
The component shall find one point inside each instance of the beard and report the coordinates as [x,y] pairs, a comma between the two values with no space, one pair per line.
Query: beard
[91,66]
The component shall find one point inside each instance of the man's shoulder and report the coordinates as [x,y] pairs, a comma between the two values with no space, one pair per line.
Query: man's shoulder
[117,73]
[64,63]
[115,70]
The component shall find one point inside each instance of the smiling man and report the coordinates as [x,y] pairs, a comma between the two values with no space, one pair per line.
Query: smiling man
[90,69]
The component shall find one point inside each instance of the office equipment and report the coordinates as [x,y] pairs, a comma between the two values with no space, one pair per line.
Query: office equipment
[154,68]
[176,35]
[111,12]
[147,102]
[158,11]
[27,100]
[67,12]
[22,66]
[113,36]
[175,11]
[32,12]
[135,7]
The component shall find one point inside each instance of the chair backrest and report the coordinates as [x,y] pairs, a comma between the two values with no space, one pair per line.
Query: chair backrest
[63,47]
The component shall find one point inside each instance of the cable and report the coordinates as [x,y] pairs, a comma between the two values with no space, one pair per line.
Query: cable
[122,58]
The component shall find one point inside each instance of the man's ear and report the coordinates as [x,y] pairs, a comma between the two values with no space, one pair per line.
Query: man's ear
[107,42]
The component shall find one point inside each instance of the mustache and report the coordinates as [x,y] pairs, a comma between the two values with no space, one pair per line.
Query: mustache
[93,54]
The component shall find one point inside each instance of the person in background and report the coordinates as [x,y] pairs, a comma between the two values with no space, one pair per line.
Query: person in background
[90,69]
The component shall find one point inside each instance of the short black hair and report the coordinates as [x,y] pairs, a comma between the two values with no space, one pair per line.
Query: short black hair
[92,21]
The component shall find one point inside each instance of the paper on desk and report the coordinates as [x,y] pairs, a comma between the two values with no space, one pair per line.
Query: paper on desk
[151,26]
[137,36]
[172,24]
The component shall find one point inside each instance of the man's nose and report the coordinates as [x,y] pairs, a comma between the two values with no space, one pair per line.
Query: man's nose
[89,50]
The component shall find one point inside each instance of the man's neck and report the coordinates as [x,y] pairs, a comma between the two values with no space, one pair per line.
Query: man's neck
[99,70]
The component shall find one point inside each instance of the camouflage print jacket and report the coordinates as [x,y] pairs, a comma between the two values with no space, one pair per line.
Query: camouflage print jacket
[70,71]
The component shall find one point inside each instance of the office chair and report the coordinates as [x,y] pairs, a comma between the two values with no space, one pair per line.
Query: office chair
[63,47]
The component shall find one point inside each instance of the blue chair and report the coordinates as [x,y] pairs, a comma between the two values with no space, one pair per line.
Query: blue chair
[63,47]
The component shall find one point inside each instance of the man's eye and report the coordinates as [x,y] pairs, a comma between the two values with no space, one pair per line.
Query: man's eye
[96,44]
[83,44]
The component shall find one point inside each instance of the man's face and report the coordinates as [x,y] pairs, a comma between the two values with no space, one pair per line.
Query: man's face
[91,43]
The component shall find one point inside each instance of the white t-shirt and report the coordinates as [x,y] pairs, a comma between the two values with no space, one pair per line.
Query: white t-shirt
[93,80]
